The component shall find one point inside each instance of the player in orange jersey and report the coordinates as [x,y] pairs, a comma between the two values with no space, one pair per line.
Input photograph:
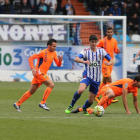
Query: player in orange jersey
[110,45]
[118,88]
[44,61]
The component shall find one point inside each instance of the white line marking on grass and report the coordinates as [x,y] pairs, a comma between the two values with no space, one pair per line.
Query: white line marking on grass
[62,117]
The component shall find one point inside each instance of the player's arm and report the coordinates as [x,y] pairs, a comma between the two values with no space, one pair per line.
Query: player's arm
[31,63]
[111,61]
[135,102]
[124,98]
[79,60]
[58,60]
[116,49]
[136,56]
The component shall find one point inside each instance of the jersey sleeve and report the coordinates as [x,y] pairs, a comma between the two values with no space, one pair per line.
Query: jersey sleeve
[135,92]
[106,55]
[58,63]
[82,54]
[100,44]
[35,56]
[116,47]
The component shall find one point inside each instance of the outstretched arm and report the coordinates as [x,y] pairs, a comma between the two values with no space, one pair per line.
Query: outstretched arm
[124,98]
[136,56]
[135,102]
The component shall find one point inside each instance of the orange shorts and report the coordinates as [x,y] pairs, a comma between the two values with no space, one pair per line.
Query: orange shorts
[39,79]
[106,70]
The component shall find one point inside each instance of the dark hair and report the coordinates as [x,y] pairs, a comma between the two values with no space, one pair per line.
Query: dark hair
[109,28]
[51,41]
[93,37]
[137,78]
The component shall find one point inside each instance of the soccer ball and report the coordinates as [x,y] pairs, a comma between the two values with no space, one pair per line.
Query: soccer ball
[98,110]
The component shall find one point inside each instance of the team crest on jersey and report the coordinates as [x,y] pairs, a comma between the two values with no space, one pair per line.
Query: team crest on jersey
[99,56]
[52,57]
[112,45]
[38,52]
[126,85]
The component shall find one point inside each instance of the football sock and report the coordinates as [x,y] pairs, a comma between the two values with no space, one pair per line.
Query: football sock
[108,103]
[46,94]
[103,100]
[99,92]
[89,110]
[25,96]
[87,104]
[75,98]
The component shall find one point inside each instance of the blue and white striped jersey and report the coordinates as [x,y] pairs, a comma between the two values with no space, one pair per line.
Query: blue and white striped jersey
[93,71]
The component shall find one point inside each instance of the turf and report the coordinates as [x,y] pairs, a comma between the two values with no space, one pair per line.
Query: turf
[34,123]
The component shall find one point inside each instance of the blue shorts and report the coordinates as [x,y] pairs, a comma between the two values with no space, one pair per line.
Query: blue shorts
[94,86]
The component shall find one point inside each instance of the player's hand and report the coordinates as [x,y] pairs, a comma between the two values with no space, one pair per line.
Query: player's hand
[34,71]
[128,112]
[119,50]
[86,62]
[60,58]
[106,63]
[134,59]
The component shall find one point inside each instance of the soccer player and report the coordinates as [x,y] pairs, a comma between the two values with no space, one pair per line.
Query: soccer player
[120,87]
[110,45]
[92,58]
[44,61]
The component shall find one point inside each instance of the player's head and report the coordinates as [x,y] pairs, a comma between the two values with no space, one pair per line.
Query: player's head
[51,44]
[109,32]
[136,82]
[93,40]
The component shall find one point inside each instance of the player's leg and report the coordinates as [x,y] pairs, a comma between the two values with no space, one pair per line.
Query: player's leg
[50,85]
[107,93]
[93,89]
[77,95]
[80,109]
[25,96]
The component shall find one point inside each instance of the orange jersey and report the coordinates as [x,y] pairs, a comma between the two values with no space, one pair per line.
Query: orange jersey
[109,45]
[44,60]
[125,83]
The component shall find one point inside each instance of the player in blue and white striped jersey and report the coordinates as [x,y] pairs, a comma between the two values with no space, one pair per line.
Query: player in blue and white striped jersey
[92,58]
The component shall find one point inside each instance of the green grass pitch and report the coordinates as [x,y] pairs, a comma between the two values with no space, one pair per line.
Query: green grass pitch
[34,123]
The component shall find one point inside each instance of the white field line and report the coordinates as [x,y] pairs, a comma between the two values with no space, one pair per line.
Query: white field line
[63,117]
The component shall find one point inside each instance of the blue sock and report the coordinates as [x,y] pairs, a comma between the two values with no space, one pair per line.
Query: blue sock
[86,105]
[75,98]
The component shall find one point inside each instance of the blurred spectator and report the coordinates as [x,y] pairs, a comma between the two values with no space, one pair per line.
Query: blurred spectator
[24,8]
[52,4]
[103,11]
[137,1]
[118,2]
[58,10]
[68,9]
[95,6]
[115,10]
[1,2]
[133,24]
[7,8]
[130,4]
[42,8]
[136,9]
[107,4]
[124,10]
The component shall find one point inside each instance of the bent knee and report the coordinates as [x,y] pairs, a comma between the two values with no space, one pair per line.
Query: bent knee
[80,91]
[51,86]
